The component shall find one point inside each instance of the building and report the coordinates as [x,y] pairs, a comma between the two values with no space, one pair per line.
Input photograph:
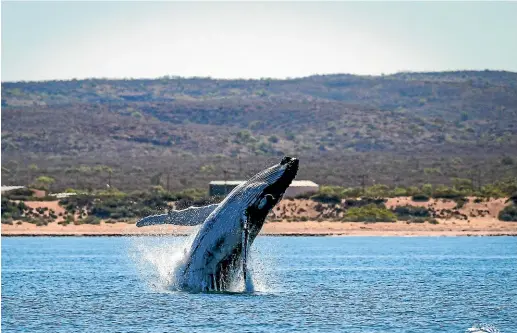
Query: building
[62,195]
[221,187]
[301,187]
[297,187]
[35,193]
[6,189]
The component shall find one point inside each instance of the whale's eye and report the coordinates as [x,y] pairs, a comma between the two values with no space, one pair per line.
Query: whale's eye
[268,198]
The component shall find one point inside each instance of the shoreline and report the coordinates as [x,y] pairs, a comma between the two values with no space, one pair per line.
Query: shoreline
[302,217]
[261,235]
[446,228]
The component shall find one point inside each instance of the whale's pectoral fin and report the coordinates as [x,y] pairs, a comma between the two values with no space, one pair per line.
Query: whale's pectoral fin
[189,216]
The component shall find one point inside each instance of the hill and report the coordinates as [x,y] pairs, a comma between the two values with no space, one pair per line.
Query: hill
[401,129]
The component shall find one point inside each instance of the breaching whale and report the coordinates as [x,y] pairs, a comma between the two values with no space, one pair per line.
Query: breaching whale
[219,253]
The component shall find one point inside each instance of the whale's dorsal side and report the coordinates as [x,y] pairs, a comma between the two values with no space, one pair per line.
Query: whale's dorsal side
[190,216]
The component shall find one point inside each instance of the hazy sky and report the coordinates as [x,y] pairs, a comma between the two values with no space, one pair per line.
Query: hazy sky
[63,40]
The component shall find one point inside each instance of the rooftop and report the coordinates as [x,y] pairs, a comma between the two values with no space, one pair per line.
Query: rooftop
[62,195]
[227,182]
[238,182]
[11,188]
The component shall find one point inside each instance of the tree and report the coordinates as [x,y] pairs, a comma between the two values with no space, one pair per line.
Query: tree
[104,168]
[427,189]
[45,182]
[85,171]
[73,172]
[462,184]
[33,168]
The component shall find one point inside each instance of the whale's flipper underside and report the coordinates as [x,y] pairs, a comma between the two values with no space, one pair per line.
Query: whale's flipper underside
[190,216]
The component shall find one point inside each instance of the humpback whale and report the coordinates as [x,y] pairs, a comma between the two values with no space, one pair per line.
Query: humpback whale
[218,255]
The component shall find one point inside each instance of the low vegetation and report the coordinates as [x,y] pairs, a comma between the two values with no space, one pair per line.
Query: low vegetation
[12,211]
[121,206]
[334,203]
[508,213]
[414,214]
[369,213]
[420,197]
[499,189]
[412,129]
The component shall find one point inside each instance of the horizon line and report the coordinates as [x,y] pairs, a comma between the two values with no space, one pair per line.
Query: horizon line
[287,78]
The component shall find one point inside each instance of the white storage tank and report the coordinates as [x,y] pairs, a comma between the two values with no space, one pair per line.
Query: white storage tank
[299,187]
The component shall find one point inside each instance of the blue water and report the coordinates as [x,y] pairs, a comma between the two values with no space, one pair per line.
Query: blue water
[335,284]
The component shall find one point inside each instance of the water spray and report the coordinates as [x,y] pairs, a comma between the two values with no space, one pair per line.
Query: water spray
[245,236]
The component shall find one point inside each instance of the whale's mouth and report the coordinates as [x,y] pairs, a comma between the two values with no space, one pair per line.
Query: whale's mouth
[278,188]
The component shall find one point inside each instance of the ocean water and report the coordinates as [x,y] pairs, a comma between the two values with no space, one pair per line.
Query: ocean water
[303,284]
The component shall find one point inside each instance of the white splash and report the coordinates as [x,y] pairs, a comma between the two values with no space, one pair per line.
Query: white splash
[157,258]
[160,257]
[483,328]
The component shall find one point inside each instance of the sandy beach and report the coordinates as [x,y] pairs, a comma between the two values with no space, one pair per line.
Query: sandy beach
[476,227]
[481,220]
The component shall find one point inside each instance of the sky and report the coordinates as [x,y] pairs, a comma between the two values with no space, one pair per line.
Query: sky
[65,40]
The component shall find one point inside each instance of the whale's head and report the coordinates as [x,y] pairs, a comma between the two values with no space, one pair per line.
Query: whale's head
[266,189]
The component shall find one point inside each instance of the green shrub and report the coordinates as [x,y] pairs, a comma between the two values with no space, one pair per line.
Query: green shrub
[412,190]
[420,197]
[38,221]
[369,213]
[434,221]
[352,202]
[377,191]
[91,220]
[12,209]
[444,192]
[427,189]
[513,198]
[417,220]
[119,206]
[463,185]
[8,221]
[460,202]
[508,213]
[23,194]
[399,192]
[351,192]
[326,198]
[408,212]
[491,191]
